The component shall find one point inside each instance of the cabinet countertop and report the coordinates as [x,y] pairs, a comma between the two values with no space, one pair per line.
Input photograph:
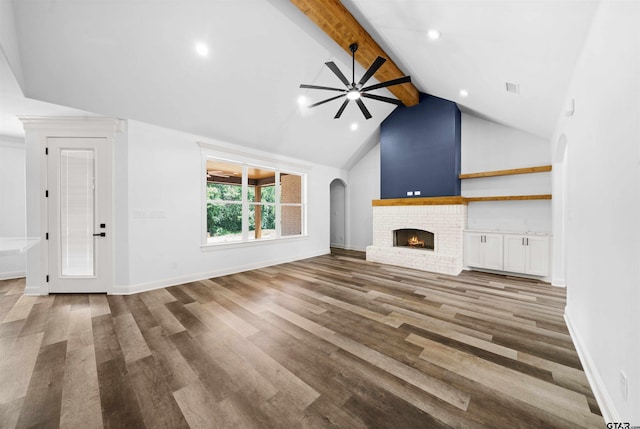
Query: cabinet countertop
[16,245]
[498,231]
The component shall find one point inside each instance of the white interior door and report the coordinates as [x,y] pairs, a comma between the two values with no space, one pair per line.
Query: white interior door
[79,215]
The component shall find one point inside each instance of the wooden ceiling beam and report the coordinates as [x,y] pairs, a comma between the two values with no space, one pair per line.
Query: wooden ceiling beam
[334,19]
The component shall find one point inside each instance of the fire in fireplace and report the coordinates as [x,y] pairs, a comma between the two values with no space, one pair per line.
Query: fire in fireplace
[413,238]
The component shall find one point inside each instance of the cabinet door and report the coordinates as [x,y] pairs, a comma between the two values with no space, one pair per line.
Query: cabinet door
[515,253]
[473,249]
[492,251]
[537,261]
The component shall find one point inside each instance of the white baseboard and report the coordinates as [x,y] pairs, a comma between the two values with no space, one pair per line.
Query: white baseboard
[158,284]
[345,247]
[356,248]
[598,387]
[33,291]
[13,275]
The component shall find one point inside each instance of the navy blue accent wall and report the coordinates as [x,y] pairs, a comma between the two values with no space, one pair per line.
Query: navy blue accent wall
[420,150]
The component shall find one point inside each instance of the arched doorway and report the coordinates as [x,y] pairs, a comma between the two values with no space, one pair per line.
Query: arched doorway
[338,213]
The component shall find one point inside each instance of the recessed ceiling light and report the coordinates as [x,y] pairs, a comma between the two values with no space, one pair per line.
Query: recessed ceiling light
[202,49]
[302,101]
[433,34]
[463,93]
[354,126]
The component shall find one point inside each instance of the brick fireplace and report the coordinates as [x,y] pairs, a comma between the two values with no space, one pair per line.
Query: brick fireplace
[445,217]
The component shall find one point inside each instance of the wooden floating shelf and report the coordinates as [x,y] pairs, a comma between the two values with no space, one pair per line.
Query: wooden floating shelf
[509,198]
[425,201]
[442,201]
[513,171]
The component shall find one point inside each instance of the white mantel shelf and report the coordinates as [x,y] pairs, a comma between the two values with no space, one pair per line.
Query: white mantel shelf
[16,245]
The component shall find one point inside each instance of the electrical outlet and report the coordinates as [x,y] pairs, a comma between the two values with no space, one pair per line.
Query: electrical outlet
[416,192]
[409,193]
[624,386]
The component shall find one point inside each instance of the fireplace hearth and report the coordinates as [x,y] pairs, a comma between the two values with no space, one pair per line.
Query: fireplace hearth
[413,238]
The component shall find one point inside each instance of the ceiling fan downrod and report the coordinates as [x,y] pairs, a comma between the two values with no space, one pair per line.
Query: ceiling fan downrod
[353,47]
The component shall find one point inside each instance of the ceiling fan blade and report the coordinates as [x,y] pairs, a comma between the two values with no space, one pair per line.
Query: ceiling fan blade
[381,98]
[374,68]
[328,88]
[363,108]
[326,101]
[341,109]
[398,81]
[334,68]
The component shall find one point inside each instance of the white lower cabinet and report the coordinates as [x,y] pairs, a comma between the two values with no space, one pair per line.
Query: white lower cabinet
[483,250]
[516,253]
[528,254]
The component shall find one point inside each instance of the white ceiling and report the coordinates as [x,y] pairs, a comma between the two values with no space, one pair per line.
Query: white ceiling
[136,60]
[13,104]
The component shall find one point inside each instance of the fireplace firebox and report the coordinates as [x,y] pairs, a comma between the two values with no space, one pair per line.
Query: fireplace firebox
[413,238]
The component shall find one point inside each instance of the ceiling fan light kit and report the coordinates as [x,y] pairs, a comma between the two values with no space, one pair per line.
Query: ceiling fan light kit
[357,91]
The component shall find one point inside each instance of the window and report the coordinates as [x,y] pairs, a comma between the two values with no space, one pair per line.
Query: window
[291,204]
[261,193]
[224,202]
[249,203]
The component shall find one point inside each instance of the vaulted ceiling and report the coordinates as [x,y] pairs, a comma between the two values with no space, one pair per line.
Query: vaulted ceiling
[137,60]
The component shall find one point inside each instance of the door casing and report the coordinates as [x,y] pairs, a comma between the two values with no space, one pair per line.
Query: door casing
[102,279]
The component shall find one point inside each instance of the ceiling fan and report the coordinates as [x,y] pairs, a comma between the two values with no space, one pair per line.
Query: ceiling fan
[219,173]
[355,91]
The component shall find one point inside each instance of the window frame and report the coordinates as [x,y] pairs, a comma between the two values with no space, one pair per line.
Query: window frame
[252,162]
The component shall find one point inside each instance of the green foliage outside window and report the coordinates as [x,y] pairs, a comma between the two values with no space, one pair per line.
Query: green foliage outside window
[225,218]
[268,217]
[224,192]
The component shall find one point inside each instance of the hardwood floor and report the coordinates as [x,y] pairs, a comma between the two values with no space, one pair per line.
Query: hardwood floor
[332,341]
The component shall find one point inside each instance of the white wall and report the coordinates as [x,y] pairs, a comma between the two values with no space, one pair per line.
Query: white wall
[9,40]
[12,202]
[516,216]
[165,218]
[363,185]
[121,208]
[488,146]
[603,222]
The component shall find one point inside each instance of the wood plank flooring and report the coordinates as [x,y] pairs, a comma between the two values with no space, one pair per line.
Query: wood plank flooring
[332,341]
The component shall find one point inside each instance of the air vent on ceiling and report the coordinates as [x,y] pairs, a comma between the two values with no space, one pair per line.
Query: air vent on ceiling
[513,87]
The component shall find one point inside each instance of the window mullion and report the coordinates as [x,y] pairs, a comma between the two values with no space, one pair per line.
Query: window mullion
[303,201]
[245,203]
[278,211]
